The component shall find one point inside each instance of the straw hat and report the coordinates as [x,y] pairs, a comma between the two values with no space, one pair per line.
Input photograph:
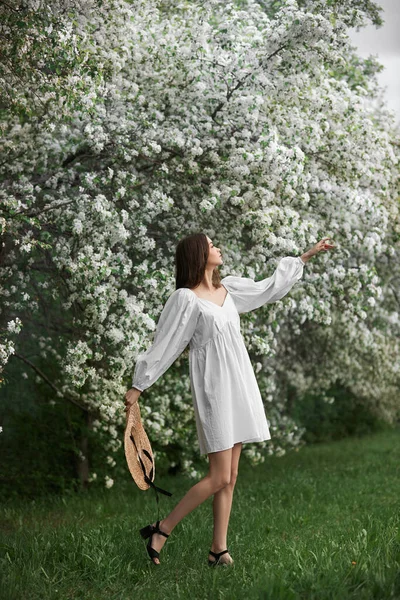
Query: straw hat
[139,454]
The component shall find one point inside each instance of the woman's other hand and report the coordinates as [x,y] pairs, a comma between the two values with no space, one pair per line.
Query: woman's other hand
[131,396]
[321,246]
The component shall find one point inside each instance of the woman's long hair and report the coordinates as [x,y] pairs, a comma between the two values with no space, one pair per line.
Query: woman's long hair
[191,256]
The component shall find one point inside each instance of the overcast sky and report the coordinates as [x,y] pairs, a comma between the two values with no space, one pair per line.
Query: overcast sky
[384,42]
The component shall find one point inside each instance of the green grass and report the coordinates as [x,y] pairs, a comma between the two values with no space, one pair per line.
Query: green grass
[321,523]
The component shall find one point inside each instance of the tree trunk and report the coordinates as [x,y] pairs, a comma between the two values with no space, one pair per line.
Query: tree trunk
[83,465]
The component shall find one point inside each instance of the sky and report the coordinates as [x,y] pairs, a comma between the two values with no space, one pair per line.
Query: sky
[384,42]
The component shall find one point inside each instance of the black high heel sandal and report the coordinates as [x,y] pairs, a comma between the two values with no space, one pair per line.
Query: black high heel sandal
[217,555]
[148,531]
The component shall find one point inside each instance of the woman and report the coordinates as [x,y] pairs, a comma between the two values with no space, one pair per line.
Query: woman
[204,311]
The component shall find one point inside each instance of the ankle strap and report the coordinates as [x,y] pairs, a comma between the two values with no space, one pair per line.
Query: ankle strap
[218,554]
[158,530]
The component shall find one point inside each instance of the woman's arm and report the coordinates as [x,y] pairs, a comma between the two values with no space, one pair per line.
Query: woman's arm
[174,331]
[248,294]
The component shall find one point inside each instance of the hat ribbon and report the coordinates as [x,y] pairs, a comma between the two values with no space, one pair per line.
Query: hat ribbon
[147,479]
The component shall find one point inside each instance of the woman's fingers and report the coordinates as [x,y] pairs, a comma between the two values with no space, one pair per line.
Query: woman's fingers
[325,243]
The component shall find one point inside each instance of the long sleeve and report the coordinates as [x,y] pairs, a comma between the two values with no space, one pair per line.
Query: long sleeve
[174,330]
[248,294]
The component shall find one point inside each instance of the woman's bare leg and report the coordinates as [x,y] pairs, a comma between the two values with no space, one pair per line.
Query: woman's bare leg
[219,474]
[222,505]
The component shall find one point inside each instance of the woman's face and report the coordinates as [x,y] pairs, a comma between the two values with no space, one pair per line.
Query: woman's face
[214,256]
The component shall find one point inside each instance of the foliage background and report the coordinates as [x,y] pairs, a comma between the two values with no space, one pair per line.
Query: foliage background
[128,124]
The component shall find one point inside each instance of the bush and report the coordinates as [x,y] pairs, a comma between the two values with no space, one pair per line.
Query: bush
[335,415]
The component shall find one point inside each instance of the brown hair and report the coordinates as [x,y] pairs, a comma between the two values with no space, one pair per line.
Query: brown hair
[191,256]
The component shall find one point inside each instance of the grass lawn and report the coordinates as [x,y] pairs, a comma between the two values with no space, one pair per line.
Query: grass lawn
[315,524]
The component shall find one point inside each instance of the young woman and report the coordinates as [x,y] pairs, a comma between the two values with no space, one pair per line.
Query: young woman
[203,311]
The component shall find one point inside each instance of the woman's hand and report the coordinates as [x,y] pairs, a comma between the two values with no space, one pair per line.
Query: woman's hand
[321,246]
[131,396]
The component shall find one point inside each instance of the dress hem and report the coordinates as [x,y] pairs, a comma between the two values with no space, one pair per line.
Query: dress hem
[252,440]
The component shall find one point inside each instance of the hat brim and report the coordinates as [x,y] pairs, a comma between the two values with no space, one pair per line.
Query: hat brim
[137,447]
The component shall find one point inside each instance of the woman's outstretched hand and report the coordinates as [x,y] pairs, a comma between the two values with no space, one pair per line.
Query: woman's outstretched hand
[321,246]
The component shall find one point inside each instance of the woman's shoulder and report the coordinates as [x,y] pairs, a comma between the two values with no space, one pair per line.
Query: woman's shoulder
[183,297]
[183,292]
[232,279]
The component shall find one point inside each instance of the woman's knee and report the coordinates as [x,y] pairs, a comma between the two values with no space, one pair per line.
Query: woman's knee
[233,477]
[222,480]
[220,468]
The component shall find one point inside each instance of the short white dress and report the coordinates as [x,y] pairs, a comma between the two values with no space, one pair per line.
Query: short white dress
[227,402]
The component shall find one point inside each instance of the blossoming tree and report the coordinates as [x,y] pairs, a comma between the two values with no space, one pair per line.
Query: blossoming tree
[131,124]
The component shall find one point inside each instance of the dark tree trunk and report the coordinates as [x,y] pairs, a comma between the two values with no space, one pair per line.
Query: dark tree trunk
[83,465]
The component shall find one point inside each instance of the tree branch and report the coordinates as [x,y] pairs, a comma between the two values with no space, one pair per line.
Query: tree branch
[395,294]
[9,6]
[50,383]
[240,83]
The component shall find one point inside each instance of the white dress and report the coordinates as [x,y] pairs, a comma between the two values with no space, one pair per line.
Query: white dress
[227,402]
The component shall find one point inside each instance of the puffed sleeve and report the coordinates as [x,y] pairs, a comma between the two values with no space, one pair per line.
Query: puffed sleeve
[175,328]
[248,294]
